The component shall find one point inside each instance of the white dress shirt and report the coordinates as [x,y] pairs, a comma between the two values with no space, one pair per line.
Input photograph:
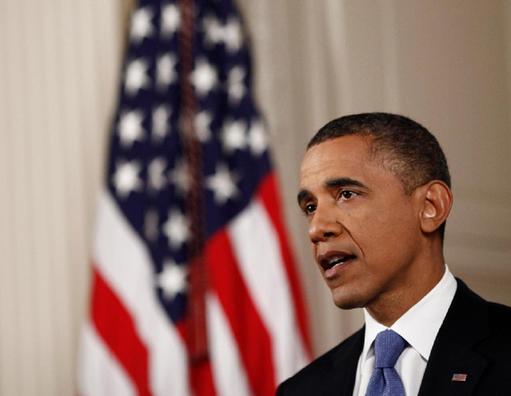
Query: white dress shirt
[419,327]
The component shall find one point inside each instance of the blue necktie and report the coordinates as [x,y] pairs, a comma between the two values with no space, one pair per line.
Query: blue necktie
[385,380]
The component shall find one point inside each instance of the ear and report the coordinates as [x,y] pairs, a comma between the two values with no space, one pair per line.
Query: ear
[435,206]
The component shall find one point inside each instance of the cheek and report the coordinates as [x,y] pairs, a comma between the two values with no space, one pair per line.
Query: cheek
[391,218]
[380,232]
[390,238]
[366,225]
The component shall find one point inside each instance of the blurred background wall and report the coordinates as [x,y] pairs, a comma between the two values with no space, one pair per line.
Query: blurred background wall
[446,64]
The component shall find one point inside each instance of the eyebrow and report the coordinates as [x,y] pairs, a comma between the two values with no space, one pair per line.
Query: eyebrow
[344,182]
[332,183]
[302,196]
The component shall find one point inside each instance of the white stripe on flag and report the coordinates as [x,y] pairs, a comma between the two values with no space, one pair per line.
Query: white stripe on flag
[256,245]
[123,261]
[228,372]
[99,374]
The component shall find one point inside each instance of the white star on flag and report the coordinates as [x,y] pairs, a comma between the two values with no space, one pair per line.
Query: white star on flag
[213,29]
[176,229]
[160,118]
[257,138]
[156,172]
[172,280]
[233,35]
[170,20]
[235,86]
[141,25]
[233,136]
[126,178]
[230,33]
[180,177]
[130,127]
[202,126]
[204,77]
[223,184]
[136,76]
[166,71]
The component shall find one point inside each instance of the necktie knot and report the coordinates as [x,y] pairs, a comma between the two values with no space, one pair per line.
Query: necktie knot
[388,346]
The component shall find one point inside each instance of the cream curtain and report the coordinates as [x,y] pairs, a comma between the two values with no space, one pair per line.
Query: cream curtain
[447,64]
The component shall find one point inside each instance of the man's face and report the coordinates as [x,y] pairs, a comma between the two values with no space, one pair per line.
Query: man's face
[364,229]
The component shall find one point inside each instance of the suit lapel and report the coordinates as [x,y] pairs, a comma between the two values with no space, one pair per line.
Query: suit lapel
[345,366]
[465,325]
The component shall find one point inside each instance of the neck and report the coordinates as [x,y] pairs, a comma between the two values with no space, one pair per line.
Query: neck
[405,292]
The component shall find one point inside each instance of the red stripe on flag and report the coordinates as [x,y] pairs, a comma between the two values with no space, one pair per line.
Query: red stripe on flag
[252,338]
[200,373]
[202,379]
[270,197]
[117,329]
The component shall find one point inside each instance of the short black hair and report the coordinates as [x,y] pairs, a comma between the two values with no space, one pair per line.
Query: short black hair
[407,148]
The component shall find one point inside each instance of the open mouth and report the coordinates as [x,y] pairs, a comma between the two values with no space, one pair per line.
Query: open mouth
[335,259]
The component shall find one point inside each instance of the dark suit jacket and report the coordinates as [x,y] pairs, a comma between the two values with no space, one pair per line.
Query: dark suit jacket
[474,339]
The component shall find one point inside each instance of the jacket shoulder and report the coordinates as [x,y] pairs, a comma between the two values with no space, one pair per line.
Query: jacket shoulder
[499,324]
[499,313]
[316,378]
[472,311]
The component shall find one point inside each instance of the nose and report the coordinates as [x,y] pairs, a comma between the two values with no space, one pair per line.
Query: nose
[324,225]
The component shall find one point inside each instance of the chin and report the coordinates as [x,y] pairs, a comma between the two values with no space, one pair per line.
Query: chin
[346,300]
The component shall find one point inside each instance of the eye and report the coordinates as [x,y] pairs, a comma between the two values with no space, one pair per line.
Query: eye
[346,195]
[309,208]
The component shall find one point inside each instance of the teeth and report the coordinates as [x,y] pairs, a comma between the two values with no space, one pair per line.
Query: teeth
[335,261]
[338,260]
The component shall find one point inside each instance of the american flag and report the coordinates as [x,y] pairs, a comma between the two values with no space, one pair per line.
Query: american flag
[194,290]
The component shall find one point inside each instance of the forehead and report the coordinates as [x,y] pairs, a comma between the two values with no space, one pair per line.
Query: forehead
[344,156]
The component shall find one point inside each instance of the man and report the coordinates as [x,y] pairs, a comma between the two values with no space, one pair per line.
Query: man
[375,189]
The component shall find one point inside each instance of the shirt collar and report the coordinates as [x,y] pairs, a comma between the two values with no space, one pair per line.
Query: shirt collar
[420,324]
